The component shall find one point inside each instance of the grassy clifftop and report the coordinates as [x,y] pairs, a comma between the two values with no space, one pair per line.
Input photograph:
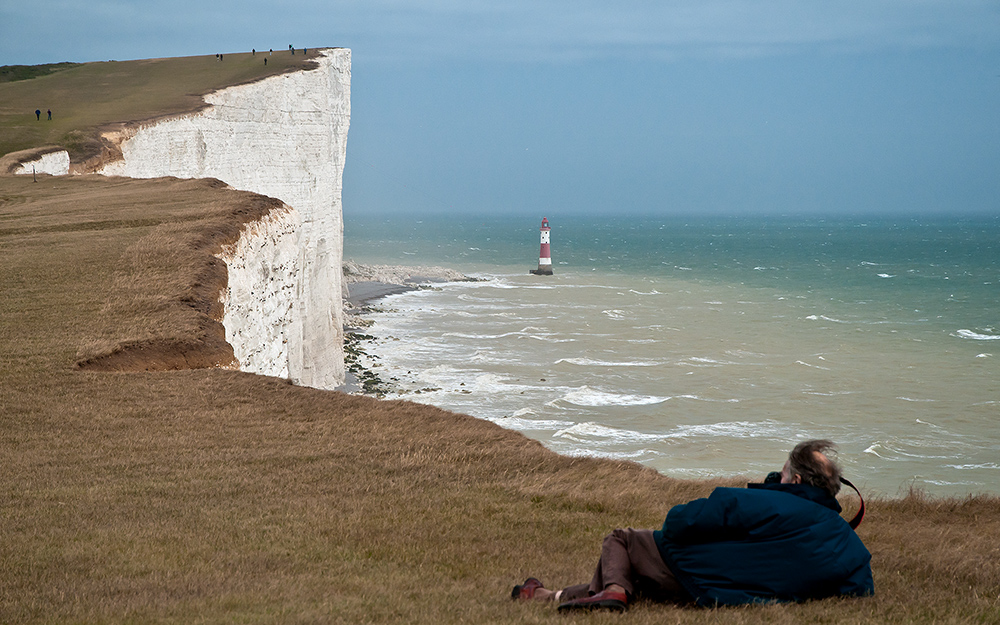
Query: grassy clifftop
[86,97]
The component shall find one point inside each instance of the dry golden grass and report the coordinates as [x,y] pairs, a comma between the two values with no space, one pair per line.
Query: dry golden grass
[205,496]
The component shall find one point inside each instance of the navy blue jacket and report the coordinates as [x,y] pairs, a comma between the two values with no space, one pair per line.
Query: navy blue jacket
[769,542]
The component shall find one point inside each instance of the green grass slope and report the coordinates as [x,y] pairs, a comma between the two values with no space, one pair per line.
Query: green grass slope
[83,98]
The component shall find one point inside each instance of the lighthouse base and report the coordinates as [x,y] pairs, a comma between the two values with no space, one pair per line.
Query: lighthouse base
[542,271]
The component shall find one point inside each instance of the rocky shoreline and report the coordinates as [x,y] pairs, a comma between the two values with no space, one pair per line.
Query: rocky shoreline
[363,286]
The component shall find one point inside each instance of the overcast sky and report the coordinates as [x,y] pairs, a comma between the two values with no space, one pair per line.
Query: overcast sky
[571,106]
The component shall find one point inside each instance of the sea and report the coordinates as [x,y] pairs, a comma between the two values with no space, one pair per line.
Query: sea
[708,346]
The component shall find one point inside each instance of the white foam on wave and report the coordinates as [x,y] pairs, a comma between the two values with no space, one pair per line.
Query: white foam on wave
[479,337]
[610,455]
[520,424]
[732,429]
[950,483]
[614,314]
[700,398]
[597,434]
[984,465]
[886,275]
[969,334]
[653,292]
[894,452]
[586,396]
[698,361]
[589,362]
[825,318]
[491,383]
[913,399]
[806,364]
[586,432]
[485,356]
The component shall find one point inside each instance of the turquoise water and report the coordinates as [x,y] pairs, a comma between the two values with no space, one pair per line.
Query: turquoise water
[707,346]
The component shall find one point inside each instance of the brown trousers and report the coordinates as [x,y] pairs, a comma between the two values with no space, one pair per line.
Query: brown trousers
[630,559]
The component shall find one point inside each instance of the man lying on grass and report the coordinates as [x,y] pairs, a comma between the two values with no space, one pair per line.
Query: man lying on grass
[778,541]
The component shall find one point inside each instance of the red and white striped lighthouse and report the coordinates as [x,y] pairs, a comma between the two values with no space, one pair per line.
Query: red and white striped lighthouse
[544,255]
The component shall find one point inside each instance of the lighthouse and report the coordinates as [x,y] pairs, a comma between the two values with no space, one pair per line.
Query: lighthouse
[544,256]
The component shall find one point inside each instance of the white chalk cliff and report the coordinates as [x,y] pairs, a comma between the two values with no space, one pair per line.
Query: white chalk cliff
[285,137]
[55,163]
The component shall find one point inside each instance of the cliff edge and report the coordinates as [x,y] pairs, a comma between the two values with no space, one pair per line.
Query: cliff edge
[285,137]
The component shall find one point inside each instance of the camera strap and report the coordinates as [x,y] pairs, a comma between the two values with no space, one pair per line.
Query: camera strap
[856,521]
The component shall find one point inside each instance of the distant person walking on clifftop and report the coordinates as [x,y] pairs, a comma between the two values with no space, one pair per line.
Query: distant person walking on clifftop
[38,114]
[50,114]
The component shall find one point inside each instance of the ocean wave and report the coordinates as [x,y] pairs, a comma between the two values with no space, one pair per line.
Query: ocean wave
[806,364]
[588,362]
[969,334]
[707,399]
[825,318]
[697,361]
[894,451]
[886,275]
[517,423]
[586,432]
[597,433]
[951,483]
[479,337]
[609,455]
[653,292]
[614,314]
[485,356]
[733,429]
[985,465]
[585,396]
[548,339]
